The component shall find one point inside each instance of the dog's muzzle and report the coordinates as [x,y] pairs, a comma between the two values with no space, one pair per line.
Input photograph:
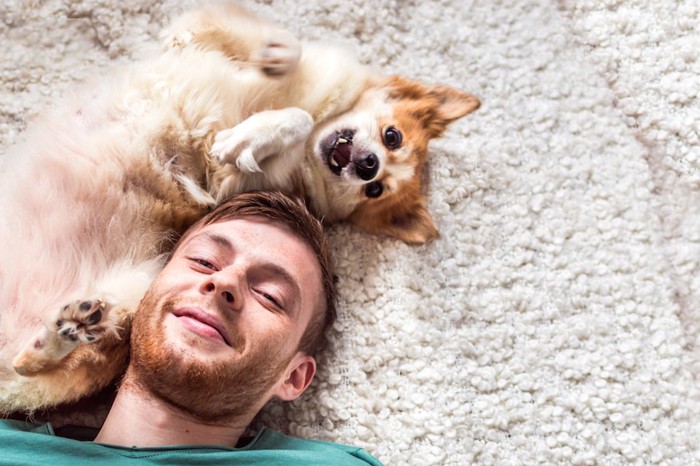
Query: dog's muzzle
[339,151]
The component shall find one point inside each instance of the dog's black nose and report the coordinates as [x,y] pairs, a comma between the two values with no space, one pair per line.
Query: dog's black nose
[366,168]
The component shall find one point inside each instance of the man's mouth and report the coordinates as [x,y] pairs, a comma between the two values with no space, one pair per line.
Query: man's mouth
[337,148]
[202,323]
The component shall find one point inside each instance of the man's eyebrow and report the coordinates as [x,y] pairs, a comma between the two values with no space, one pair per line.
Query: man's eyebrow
[220,240]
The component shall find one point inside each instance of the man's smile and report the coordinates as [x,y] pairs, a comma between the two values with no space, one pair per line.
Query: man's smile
[202,323]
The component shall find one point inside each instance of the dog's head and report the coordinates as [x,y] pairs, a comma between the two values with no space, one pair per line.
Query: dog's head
[373,155]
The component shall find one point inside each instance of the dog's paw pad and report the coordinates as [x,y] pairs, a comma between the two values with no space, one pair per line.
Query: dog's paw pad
[83,321]
[77,323]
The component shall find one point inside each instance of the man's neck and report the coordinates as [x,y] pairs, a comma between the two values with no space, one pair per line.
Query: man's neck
[137,419]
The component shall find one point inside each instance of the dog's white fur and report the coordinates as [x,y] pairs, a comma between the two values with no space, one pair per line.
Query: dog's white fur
[102,187]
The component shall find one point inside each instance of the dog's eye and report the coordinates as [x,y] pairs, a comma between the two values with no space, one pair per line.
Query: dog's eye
[392,137]
[374,189]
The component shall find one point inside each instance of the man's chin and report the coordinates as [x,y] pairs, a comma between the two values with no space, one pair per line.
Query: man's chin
[209,381]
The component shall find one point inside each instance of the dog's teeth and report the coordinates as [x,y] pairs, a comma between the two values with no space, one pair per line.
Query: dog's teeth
[342,141]
[333,162]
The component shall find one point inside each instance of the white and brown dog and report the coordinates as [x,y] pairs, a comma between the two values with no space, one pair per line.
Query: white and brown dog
[101,189]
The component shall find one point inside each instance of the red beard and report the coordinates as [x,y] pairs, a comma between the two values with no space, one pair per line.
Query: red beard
[211,392]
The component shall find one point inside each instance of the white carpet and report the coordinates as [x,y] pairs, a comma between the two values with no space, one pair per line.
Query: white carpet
[557,320]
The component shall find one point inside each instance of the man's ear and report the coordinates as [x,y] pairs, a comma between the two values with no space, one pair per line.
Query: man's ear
[299,374]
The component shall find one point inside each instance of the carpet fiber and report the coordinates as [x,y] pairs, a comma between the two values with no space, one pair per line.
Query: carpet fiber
[556,321]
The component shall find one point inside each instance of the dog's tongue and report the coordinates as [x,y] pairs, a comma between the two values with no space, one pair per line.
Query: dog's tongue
[342,154]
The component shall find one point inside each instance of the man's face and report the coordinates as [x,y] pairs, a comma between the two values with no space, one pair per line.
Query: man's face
[216,334]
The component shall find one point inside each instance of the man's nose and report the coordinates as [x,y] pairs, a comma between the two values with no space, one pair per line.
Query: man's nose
[224,289]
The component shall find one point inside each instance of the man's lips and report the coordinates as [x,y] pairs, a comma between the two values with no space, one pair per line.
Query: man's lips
[202,323]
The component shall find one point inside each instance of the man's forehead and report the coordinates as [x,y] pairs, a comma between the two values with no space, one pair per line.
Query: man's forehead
[252,230]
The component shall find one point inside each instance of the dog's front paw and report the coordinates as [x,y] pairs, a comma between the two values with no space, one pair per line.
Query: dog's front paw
[262,135]
[279,55]
[235,146]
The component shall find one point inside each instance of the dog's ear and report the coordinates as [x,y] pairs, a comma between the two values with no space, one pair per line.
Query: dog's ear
[435,106]
[412,223]
[414,227]
[446,105]
[452,104]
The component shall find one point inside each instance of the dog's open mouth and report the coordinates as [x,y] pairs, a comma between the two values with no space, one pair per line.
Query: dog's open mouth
[337,148]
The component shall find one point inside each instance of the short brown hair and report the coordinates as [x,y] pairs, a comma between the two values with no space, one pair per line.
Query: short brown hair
[293,214]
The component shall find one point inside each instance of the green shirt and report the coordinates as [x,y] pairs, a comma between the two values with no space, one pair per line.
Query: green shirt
[22,443]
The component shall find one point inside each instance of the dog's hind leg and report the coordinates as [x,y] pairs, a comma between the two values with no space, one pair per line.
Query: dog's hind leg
[86,321]
[238,34]
[77,323]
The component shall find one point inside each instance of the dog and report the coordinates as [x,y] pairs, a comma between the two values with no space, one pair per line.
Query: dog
[97,195]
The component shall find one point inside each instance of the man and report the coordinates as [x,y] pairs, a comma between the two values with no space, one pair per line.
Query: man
[232,321]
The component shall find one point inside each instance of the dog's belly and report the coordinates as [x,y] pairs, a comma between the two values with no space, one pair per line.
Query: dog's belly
[76,206]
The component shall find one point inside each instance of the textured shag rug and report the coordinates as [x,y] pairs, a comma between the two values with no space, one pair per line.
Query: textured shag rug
[557,319]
